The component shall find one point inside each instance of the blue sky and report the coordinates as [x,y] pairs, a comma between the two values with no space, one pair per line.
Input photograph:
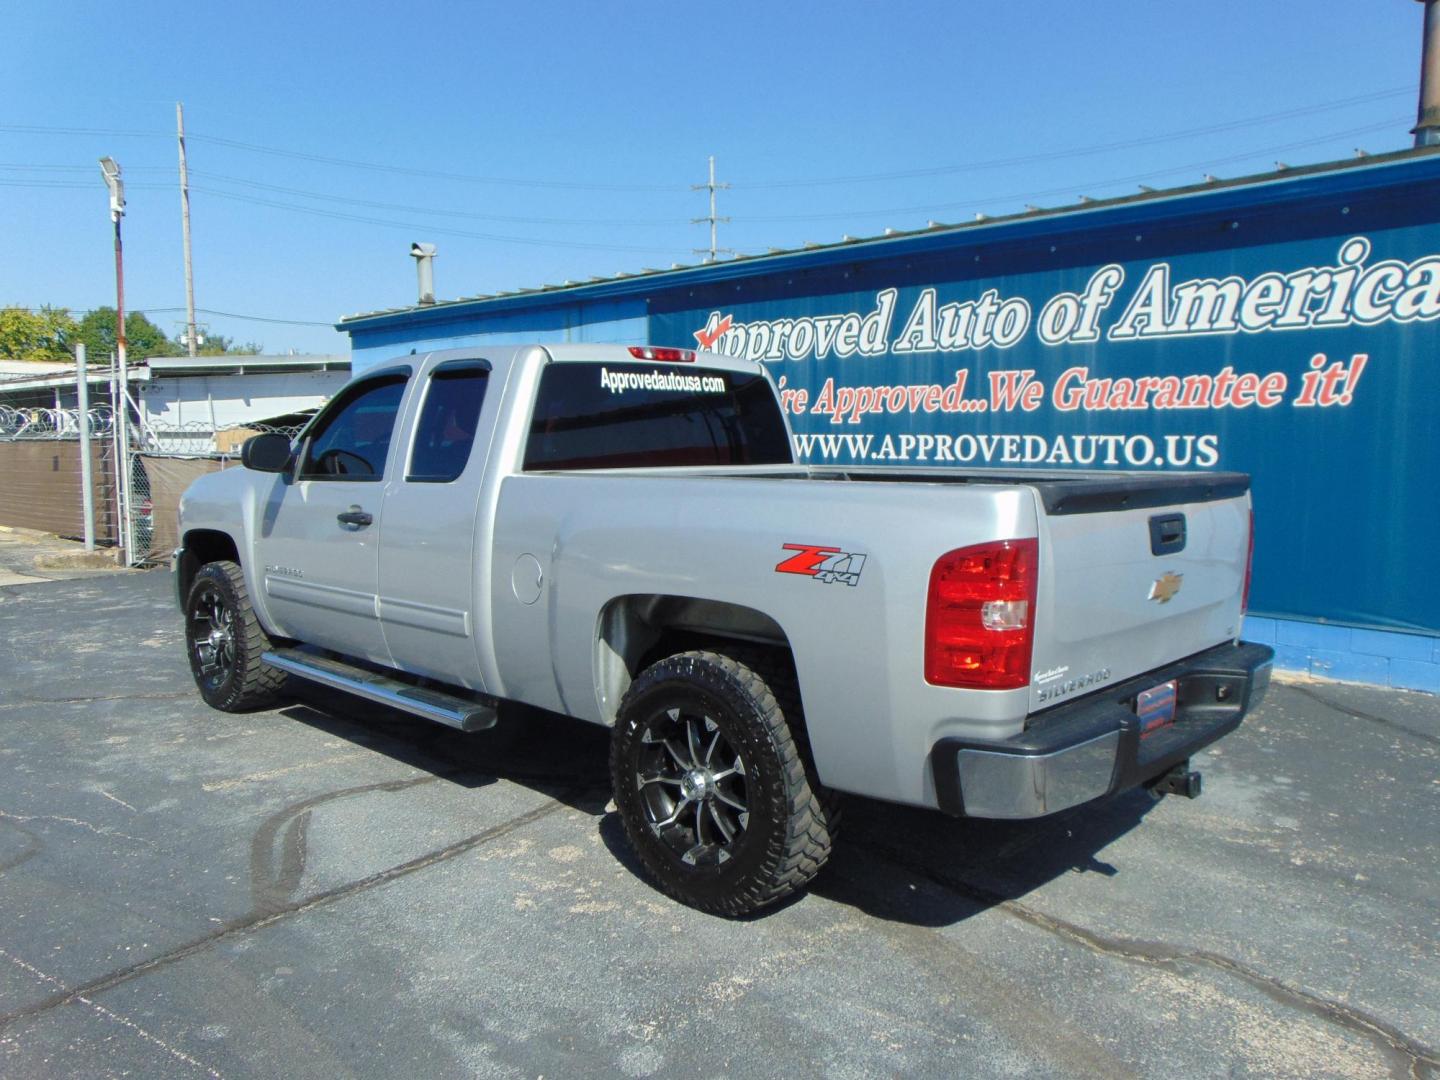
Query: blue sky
[569,133]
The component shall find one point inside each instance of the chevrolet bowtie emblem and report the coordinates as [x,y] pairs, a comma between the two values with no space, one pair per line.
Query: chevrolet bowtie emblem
[1164,590]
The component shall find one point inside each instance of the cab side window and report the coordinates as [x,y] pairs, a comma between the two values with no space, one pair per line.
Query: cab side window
[445,430]
[351,438]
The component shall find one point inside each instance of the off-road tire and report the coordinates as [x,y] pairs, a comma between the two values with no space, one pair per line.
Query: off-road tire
[789,824]
[221,625]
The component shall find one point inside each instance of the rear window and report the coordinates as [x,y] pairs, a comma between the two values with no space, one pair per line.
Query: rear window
[620,416]
[445,430]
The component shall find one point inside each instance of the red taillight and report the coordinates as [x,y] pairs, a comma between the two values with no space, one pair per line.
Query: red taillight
[664,356]
[1249,566]
[980,616]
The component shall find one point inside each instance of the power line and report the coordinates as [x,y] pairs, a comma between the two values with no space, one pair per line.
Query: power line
[36,129]
[16,166]
[330,197]
[85,184]
[202,311]
[412,226]
[46,184]
[1099,148]
[1067,190]
[828,216]
[405,170]
[59,182]
[939,170]
[246,318]
[350,163]
[1071,188]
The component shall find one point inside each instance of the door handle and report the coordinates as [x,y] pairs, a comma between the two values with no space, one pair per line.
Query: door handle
[354,516]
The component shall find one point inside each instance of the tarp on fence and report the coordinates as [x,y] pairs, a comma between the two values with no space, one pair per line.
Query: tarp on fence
[168,477]
[40,487]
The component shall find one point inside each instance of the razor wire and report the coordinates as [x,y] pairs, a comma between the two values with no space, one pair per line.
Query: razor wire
[199,439]
[25,423]
[196,439]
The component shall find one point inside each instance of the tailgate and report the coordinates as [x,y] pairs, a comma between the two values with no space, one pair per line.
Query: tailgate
[1135,572]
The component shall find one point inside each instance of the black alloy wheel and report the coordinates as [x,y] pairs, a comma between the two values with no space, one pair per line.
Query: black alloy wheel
[711,784]
[224,642]
[692,785]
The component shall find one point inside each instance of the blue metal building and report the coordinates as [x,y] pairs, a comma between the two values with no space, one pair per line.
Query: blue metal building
[1287,325]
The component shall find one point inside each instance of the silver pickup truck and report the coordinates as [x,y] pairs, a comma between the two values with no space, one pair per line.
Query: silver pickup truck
[622,535]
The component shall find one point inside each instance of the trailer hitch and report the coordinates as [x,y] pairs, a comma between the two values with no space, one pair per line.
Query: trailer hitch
[1180,780]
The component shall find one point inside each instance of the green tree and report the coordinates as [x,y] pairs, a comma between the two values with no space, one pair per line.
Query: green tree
[143,338]
[47,334]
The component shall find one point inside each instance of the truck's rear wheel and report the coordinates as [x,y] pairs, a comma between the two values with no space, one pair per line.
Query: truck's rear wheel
[224,641]
[712,787]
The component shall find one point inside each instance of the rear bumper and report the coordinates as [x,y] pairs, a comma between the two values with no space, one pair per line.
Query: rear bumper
[1092,747]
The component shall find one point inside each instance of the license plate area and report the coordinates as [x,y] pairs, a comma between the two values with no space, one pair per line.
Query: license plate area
[1156,707]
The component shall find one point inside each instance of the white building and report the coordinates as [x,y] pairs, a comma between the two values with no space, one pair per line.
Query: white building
[180,402]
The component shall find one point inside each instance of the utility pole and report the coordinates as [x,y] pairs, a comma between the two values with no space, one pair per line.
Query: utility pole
[713,252]
[185,230]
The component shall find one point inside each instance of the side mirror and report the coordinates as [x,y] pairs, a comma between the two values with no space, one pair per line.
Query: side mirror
[266,453]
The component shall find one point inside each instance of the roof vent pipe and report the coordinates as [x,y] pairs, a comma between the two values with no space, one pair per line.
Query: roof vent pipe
[424,256]
[1427,128]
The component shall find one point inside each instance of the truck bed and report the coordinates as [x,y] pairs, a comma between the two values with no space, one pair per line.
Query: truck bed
[1060,491]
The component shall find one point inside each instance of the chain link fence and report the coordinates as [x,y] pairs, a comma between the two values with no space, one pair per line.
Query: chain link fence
[137,480]
[141,461]
[168,461]
[40,474]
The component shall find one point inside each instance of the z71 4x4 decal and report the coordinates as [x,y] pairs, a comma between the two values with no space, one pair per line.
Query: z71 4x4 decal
[825,564]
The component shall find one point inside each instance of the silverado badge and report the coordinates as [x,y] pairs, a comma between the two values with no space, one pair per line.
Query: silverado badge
[1163,590]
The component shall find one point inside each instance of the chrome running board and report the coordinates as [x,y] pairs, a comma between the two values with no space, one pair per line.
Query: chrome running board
[448,709]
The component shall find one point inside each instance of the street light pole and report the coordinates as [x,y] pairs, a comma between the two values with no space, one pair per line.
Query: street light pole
[191,339]
[110,169]
[87,480]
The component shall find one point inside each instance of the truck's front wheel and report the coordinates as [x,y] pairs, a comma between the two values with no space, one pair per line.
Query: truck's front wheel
[712,787]
[225,640]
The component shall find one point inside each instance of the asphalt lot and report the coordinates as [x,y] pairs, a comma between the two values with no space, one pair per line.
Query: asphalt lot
[331,889]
